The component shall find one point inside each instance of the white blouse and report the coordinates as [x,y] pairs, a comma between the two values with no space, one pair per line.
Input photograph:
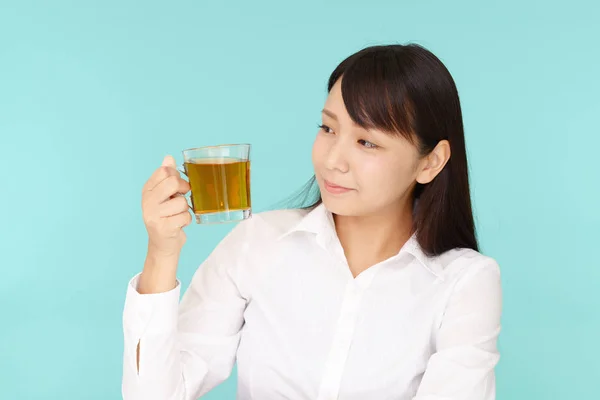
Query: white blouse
[277,296]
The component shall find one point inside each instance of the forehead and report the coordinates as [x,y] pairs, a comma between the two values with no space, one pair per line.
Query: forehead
[334,96]
[335,104]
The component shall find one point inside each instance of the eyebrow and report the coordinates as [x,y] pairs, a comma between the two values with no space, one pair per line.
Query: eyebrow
[329,113]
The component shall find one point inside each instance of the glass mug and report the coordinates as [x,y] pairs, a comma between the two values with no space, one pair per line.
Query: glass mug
[219,178]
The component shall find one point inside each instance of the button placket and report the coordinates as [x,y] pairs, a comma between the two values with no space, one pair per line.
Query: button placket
[342,340]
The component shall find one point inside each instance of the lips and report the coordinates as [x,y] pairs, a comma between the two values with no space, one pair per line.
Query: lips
[333,185]
[335,189]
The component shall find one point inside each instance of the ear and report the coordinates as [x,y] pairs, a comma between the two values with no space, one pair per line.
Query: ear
[434,162]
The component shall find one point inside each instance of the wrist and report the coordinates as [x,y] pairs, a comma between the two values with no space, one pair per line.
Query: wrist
[159,274]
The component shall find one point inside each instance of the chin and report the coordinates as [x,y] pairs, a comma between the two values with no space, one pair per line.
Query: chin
[341,206]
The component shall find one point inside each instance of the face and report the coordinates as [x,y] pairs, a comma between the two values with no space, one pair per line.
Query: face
[361,172]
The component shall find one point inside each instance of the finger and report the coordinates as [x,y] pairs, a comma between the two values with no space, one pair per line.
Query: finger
[169,187]
[180,220]
[174,206]
[168,168]
[169,161]
[171,165]
[158,176]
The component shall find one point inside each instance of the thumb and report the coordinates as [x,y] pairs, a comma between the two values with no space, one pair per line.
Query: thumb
[169,161]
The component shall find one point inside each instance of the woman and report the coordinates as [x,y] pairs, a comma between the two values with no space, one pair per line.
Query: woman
[377,291]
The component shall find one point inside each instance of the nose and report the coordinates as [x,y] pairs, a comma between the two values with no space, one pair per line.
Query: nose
[336,157]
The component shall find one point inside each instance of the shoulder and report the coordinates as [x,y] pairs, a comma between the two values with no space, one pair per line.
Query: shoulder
[473,285]
[461,263]
[271,224]
[250,238]
[280,220]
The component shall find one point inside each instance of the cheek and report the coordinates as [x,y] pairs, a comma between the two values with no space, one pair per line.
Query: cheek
[369,170]
[380,176]
[318,149]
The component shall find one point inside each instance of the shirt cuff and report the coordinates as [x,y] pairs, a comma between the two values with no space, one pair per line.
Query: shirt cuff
[148,314]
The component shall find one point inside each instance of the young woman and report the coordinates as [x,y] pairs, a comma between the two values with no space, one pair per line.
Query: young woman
[376,291]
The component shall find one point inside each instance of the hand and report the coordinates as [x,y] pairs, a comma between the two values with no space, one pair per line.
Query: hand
[165,210]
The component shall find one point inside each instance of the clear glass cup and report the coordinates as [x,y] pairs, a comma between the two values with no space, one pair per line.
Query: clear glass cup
[219,177]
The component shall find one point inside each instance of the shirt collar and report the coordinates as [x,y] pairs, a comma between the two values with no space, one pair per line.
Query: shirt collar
[316,220]
[320,221]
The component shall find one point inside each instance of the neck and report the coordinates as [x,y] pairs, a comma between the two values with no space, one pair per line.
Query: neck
[370,239]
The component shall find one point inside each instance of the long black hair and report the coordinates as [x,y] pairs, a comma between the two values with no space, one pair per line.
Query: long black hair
[406,90]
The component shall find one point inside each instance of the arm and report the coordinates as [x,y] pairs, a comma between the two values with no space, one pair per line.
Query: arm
[186,349]
[463,366]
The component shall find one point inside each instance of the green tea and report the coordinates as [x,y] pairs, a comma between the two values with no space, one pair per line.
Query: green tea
[219,185]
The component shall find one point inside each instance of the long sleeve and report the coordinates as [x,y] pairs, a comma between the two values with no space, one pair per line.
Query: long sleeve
[462,368]
[187,347]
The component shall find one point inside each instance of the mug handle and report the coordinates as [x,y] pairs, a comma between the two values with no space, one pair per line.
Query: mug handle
[181,169]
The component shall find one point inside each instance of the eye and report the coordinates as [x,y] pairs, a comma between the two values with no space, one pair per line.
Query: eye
[324,128]
[367,144]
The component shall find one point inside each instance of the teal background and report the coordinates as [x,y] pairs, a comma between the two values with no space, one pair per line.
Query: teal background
[93,94]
